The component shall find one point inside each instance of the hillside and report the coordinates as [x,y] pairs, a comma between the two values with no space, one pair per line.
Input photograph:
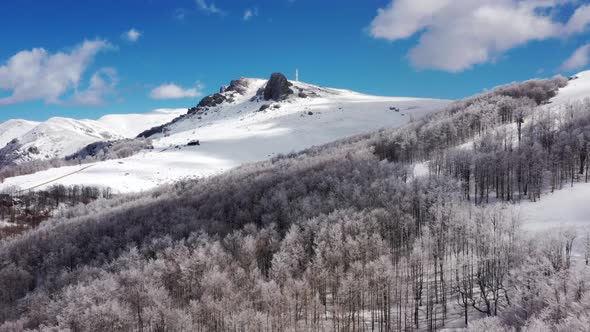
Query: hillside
[232,130]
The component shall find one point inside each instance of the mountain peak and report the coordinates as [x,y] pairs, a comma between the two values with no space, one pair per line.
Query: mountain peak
[276,88]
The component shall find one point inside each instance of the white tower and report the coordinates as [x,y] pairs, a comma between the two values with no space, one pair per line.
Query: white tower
[297,75]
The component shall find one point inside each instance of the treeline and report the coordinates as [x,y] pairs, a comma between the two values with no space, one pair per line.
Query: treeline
[21,211]
[485,142]
[466,119]
[94,152]
[333,238]
[552,150]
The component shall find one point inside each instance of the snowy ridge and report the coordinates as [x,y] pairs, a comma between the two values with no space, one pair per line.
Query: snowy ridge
[130,125]
[59,137]
[14,128]
[237,131]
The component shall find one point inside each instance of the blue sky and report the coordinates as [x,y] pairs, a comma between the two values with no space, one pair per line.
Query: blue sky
[86,58]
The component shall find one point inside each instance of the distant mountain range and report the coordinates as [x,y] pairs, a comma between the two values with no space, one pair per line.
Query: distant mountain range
[59,137]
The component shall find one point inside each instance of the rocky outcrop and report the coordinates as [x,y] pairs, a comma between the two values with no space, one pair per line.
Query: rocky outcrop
[163,128]
[212,100]
[91,150]
[278,88]
[226,94]
[240,86]
[33,150]
[11,153]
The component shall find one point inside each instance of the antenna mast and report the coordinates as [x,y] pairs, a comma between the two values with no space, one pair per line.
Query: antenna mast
[297,75]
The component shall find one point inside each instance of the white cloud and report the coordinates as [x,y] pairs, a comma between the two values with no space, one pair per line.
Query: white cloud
[579,20]
[173,91]
[102,84]
[209,8]
[132,35]
[250,13]
[580,58]
[455,35]
[39,75]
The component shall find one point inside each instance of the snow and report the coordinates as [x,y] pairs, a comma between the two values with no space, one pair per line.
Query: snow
[4,224]
[131,125]
[141,172]
[560,211]
[421,169]
[236,133]
[563,208]
[576,90]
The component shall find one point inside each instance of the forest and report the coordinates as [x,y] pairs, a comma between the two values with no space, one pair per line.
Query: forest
[342,237]
[23,210]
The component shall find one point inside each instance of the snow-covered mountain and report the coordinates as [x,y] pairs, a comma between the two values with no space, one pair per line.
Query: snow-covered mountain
[59,137]
[249,120]
[12,129]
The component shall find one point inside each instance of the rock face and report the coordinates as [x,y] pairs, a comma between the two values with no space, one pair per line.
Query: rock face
[91,150]
[277,88]
[212,100]
[240,86]
[226,94]
[11,153]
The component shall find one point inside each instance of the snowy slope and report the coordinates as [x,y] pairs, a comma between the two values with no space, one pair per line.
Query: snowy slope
[236,132]
[569,206]
[563,208]
[59,137]
[130,125]
[577,89]
[560,211]
[14,128]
